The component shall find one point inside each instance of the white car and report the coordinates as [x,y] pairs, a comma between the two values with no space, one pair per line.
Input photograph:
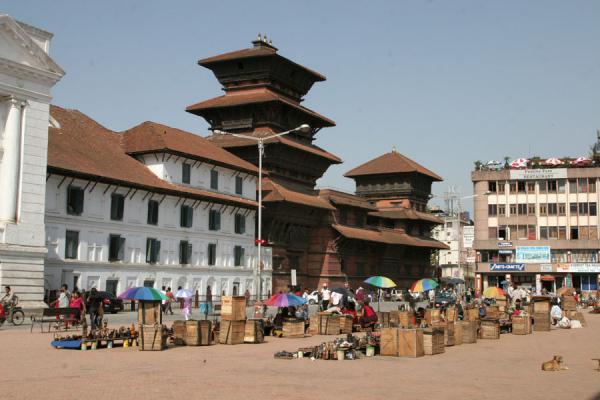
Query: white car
[313,297]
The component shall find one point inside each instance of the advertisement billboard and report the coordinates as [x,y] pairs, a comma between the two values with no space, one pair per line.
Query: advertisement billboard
[532,254]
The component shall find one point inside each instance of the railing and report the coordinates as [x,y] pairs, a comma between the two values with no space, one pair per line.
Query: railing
[197,300]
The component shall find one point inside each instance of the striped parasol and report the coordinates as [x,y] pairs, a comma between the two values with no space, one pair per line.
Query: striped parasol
[519,163]
[380,282]
[553,162]
[142,293]
[285,300]
[581,161]
[423,285]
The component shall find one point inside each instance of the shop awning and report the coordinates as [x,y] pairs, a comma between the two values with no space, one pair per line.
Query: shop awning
[549,278]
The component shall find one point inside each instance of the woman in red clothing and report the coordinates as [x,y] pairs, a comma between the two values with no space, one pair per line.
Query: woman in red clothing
[351,310]
[368,317]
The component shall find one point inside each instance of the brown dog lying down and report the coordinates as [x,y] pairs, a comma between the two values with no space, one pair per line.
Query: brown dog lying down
[554,364]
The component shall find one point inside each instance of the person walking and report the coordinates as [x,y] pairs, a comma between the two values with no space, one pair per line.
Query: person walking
[94,309]
[325,297]
[170,300]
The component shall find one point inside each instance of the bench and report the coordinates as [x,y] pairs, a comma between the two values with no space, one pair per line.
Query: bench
[63,317]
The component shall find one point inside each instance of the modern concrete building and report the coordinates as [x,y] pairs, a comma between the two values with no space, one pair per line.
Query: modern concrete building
[538,226]
[151,206]
[27,74]
[457,233]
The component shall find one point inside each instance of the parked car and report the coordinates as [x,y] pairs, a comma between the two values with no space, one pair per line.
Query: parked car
[397,295]
[111,303]
[313,297]
[444,300]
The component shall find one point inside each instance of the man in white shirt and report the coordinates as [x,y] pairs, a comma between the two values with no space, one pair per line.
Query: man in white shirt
[163,304]
[325,297]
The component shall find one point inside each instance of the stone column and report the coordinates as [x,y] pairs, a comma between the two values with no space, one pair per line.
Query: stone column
[9,166]
[538,283]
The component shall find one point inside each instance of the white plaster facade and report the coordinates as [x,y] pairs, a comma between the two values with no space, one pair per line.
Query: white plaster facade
[91,266]
[27,75]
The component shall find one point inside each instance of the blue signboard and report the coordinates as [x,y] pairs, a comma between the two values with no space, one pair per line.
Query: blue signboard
[507,267]
[532,254]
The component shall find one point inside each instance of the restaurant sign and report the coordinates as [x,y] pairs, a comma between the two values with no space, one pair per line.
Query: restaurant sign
[554,173]
[507,267]
[579,267]
[532,254]
[505,244]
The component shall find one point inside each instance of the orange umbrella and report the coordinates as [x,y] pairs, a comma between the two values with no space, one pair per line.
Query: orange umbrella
[494,293]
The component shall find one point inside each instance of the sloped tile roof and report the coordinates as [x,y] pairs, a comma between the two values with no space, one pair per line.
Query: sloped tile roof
[406,213]
[277,192]
[263,95]
[387,236]
[81,147]
[347,199]
[391,163]
[150,137]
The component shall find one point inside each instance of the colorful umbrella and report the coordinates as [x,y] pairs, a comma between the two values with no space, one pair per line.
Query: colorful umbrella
[581,161]
[423,285]
[142,293]
[494,293]
[380,282]
[519,163]
[184,294]
[553,161]
[285,300]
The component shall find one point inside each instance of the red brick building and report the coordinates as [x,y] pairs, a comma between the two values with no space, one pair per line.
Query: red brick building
[324,235]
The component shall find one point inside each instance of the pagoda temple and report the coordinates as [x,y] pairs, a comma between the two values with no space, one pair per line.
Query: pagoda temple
[324,235]
[263,96]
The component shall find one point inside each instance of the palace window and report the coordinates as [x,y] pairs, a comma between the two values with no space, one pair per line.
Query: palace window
[561,186]
[501,187]
[152,250]
[240,224]
[492,186]
[574,233]
[238,256]
[502,210]
[552,186]
[582,185]
[513,209]
[593,209]
[572,186]
[531,187]
[186,172]
[552,209]
[116,248]
[214,179]
[583,208]
[521,186]
[239,185]
[543,209]
[74,200]
[71,244]
[562,209]
[492,210]
[212,253]
[522,209]
[512,187]
[185,252]
[531,209]
[153,212]
[214,220]
[187,216]
[117,206]
[542,185]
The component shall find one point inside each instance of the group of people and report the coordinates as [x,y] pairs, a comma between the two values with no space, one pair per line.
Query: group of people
[88,303]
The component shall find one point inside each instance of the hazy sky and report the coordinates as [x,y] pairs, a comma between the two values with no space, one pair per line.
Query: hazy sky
[446,82]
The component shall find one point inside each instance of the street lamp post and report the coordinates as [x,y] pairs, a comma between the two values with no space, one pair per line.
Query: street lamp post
[304,128]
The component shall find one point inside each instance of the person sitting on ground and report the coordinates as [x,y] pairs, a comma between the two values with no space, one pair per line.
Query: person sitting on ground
[368,316]
[555,312]
[282,314]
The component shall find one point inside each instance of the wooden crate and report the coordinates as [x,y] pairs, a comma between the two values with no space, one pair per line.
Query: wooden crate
[502,304]
[152,337]
[233,308]
[489,329]
[451,314]
[179,332]
[232,332]
[314,326]
[401,342]
[541,304]
[448,327]
[329,324]
[149,313]
[401,319]
[521,325]
[254,331]
[346,322]
[458,340]
[293,328]
[568,303]
[383,318]
[541,322]
[472,314]
[469,331]
[198,333]
[492,312]
[433,315]
[433,341]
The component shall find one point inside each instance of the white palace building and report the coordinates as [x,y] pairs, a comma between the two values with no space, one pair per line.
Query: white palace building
[152,206]
[27,74]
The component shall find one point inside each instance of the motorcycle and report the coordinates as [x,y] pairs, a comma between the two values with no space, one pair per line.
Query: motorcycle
[15,315]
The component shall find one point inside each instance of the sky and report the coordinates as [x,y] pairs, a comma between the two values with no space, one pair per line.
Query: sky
[445,82]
